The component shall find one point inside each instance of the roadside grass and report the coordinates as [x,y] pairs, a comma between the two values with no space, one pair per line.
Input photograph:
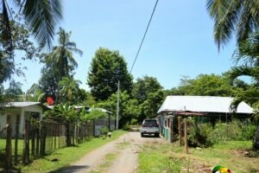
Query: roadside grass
[235,155]
[60,158]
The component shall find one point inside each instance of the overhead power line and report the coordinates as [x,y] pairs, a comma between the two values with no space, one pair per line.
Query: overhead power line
[136,57]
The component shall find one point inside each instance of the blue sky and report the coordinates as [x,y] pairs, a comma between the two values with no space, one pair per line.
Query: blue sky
[179,41]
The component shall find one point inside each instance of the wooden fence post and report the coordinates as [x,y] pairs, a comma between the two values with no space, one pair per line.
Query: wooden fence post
[180,130]
[185,135]
[17,127]
[171,129]
[8,147]
[26,143]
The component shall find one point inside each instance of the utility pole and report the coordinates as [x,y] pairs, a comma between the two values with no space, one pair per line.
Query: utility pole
[118,106]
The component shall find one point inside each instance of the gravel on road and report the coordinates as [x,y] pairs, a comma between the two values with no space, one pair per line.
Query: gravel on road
[125,156]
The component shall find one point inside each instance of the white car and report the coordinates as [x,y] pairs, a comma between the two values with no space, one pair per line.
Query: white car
[149,127]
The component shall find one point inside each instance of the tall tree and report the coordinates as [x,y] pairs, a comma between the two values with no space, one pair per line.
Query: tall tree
[14,92]
[108,68]
[40,15]
[62,55]
[240,17]
[21,43]
[151,105]
[58,64]
[143,86]
[48,83]
[147,92]
[129,107]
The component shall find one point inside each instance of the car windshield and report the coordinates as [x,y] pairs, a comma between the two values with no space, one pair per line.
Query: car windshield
[150,122]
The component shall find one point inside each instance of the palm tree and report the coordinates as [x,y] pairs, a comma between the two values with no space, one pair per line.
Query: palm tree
[248,52]
[40,15]
[240,17]
[34,93]
[69,89]
[62,55]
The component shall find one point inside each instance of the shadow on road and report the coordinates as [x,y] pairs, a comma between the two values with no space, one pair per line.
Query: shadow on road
[71,169]
[150,136]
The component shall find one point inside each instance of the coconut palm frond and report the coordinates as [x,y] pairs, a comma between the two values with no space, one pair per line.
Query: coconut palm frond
[42,16]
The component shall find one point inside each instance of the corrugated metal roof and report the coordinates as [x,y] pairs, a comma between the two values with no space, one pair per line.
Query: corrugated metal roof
[21,104]
[207,104]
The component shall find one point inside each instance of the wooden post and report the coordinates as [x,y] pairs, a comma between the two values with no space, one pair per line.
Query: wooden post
[17,127]
[8,146]
[180,130]
[185,135]
[26,143]
[171,130]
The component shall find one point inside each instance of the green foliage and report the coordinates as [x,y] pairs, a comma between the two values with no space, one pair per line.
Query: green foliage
[60,63]
[69,90]
[62,55]
[95,114]
[104,130]
[144,86]
[199,134]
[87,98]
[14,92]
[233,17]
[106,70]
[41,17]
[134,121]
[152,103]
[16,39]
[48,82]
[234,130]
[62,112]
[34,94]
[148,93]
[205,85]
[203,135]
[129,108]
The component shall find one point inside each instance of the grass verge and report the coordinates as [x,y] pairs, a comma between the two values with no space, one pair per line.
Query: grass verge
[64,156]
[235,155]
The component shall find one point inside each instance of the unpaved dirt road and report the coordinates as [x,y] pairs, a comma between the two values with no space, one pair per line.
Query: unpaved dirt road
[117,156]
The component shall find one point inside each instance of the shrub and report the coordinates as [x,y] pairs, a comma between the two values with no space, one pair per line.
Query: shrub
[134,121]
[198,134]
[234,130]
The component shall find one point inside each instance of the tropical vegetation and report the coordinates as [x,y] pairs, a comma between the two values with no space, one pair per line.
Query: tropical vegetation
[111,86]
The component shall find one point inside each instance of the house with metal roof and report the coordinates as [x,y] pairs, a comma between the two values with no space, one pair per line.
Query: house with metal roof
[19,112]
[212,107]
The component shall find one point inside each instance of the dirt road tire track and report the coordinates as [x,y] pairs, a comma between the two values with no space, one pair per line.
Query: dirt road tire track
[126,149]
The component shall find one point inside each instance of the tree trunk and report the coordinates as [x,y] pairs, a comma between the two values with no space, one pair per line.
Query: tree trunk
[8,147]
